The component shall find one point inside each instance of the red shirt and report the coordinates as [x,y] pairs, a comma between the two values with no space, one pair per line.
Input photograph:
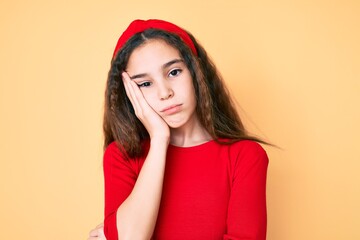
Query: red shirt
[210,191]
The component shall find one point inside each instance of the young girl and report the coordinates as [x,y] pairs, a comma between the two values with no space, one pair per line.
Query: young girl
[178,163]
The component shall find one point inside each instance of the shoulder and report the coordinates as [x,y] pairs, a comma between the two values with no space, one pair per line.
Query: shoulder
[115,157]
[248,146]
[114,151]
[244,146]
[248,152]
[247,159]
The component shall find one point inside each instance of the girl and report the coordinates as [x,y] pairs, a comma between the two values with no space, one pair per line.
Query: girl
[178,163]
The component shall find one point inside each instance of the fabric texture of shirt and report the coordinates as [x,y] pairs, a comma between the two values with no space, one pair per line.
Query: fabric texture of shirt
[211,191]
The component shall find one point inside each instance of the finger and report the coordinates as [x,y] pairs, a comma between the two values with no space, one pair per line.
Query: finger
[100,229]
[101,225]
[137,92]
[93,233]
[126,80]
[128,87]
[130,91]
[102,234]
[133,87]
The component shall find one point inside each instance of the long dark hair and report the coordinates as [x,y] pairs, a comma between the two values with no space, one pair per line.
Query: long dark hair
[215,108]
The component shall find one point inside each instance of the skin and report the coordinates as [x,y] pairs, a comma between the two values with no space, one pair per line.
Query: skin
[165,81]
[160,88]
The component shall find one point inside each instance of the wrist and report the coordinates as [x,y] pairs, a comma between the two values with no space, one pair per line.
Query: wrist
[162,140]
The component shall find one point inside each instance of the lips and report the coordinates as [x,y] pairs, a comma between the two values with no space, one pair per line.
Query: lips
[172,109]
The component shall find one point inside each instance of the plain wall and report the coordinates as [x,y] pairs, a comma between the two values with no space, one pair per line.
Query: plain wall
[293,67]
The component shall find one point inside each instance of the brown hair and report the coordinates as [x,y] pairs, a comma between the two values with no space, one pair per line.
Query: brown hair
[215,108]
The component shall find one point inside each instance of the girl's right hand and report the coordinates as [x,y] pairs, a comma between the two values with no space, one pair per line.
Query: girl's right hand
[154,124]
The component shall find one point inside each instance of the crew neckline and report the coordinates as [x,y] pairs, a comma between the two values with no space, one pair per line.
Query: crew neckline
[199,147]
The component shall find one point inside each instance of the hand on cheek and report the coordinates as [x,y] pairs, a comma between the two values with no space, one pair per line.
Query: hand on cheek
[154,124]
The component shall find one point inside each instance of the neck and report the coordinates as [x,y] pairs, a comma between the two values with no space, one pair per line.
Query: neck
[189,135]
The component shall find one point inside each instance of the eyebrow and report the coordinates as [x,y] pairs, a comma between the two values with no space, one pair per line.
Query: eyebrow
[166,65]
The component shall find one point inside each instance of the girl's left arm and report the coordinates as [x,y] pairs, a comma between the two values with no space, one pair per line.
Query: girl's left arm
[247,216]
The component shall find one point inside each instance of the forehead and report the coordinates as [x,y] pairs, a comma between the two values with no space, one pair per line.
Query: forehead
[153,53]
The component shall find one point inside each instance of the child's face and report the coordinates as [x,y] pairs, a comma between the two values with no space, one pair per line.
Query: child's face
[165,82]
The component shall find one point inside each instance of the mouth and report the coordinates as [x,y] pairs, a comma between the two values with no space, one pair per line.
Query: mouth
[172,109]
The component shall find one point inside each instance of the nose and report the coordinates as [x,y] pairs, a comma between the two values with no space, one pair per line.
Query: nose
[165,91]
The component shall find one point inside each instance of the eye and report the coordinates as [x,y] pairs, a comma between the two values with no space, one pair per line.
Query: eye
[144,84]
[174,72]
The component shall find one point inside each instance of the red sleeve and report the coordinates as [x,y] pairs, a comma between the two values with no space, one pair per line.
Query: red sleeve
[119,177]
[247,216]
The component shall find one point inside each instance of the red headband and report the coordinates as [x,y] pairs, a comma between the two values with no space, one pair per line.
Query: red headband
[141,25]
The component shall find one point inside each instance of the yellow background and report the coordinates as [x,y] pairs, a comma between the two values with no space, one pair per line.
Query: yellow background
[293,67]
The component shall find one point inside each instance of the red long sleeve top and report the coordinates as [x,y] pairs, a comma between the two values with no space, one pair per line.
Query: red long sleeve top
[210,191]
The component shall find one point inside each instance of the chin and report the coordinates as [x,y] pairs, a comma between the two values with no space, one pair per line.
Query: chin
[175,123]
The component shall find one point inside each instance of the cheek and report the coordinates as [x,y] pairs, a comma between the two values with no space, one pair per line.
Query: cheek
[189,83]
[189,89]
